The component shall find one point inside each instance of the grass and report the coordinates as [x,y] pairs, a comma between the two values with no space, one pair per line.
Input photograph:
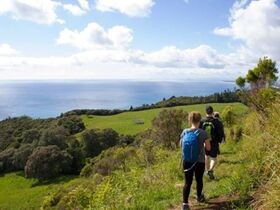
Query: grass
[127,122]
[159,186]
[19,193]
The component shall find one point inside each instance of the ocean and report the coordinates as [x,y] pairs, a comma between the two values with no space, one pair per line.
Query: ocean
[42,99]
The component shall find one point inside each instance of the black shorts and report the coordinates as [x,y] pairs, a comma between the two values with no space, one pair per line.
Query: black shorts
[215,150]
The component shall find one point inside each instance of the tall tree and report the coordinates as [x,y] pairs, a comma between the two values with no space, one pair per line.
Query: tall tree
[256,89]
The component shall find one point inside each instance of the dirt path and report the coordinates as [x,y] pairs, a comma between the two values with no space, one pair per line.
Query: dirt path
[219,203]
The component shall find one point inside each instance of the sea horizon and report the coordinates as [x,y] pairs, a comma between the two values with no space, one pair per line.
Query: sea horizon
[50,98]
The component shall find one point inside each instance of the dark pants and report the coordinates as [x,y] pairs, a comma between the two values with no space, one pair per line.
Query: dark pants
[198,170]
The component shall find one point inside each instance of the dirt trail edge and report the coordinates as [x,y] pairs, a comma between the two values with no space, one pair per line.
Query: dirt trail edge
[219,203]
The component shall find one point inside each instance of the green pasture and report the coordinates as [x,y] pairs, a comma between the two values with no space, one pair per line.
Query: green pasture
[137,121]
[18,193]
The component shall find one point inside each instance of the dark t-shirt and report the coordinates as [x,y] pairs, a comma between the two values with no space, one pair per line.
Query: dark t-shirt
[201,138]
[217,137]
[218,129]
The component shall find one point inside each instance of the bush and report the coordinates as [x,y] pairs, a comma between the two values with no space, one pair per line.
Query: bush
[167,127]
[95,140]
[75,150]
[236,133]
[73,124]
[7,159]
[91,143]
[30,136]
[228,116]
[57,136]
[109,138]
[47,162]
[147,150]
[126,140]
[21,156]
[109,161]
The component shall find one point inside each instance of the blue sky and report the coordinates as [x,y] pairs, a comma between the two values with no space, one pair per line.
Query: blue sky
[135,39]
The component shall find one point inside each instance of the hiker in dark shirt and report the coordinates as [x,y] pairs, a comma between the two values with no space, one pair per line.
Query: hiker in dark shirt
[195,167]
[217,116]
[214,129]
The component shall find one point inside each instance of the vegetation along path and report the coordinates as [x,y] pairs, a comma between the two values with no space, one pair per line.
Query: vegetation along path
[220,193]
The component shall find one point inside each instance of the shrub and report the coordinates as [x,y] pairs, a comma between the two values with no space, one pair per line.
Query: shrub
[30,136]
[126,140]
[114,159]
[75,150]
[228,116]
[91,143]
[73,124]
[7,159]
[95,140]
[167,127]
[47,162]
[109,161]
[109,138]
[21,156]
[237,133]
[57,136]
[147,150]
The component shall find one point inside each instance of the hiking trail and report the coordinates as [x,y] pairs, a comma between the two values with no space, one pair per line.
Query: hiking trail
[218,192]
[219,203]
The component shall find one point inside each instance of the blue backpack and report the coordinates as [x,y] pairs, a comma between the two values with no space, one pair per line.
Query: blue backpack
[190,146]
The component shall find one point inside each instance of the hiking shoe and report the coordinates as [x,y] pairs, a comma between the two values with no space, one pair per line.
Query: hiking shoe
[185,206]
[211,175]
[200,198]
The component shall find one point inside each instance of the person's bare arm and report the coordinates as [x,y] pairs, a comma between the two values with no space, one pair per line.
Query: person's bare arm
[207,145]
[180,142]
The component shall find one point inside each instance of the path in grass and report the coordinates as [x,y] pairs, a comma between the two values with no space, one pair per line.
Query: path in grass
[219,203]
[128,122]
[220,193]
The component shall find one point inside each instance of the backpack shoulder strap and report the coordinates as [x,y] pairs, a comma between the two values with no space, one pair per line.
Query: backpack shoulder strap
[197,132]
[187,130]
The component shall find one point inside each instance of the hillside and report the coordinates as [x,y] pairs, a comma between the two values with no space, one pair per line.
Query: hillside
[137,121]
[157,186]
[32,194]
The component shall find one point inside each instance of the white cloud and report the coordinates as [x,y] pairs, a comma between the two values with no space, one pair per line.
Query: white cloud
[108,53]
[84,4]
[74,9]
[104,64]
[114,44]
[38,11]
[7,50]
[94,36]
[257,25]
[133,8]
[172,57]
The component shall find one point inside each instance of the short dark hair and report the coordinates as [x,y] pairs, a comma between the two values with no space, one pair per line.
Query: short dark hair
[209,109]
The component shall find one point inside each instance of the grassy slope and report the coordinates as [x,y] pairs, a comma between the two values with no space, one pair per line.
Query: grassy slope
[124,123]
[16,192]
[159,187]
[227,179]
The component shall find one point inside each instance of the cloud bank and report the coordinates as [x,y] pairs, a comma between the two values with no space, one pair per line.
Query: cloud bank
[108,53]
